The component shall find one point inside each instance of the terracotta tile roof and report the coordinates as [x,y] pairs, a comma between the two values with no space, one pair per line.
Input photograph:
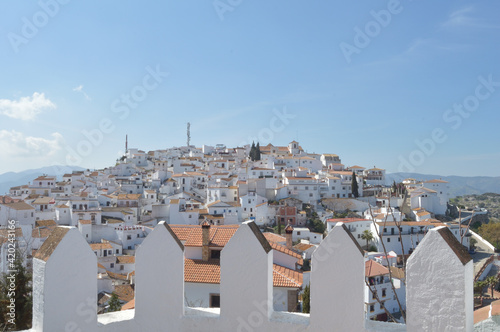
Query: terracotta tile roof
[116,275]
[129,305]
[272,237]
[49,245]
[40,223]
[423,213]
[5,232]
[125,259]
[208,272]
[7,199]
[44,200]
[397,272]
[100,246]
[191,234]
[373,269]
[20,206]
[285,250]
[99,265]
[85,222]
[124,292]
[284,277]
[303,246]
[129,196]
[42,232]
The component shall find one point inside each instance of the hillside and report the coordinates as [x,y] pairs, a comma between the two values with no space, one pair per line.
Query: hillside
[12,179]
[489,201]
[459,185]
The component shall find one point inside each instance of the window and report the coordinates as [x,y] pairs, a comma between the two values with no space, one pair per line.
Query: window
[388,239]
[110,252]
[214,300]
[384,292]
[372,308]
[122,267]
[359,236]
[129,237]
[399,239]
[215,254]
[298,233]
[373,294]
[112,265]
[117,251]
[86,235]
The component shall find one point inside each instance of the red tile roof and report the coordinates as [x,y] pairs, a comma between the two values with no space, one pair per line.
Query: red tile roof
[272,237]
[285,250]
[100,246]
[208,272]
[192,235]
[373,269]
[124,292]
[129,305]
[125,259]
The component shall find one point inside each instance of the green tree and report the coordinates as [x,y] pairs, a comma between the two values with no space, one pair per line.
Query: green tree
[317,226]
[491,232]
[354,185]
[257,151]
[252,152]
[306,300]
[114,303]
[368,236]
[491,281]
[21,296]
[479,287]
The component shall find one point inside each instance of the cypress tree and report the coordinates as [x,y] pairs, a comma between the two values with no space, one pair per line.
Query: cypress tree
[354,185]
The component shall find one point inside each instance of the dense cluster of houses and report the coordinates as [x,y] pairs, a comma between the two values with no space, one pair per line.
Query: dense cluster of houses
[206,193]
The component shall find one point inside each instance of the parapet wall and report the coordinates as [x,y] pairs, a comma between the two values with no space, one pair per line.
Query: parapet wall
[65,287]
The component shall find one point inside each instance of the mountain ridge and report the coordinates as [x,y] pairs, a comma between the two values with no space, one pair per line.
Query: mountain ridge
[459,185]
[13,179]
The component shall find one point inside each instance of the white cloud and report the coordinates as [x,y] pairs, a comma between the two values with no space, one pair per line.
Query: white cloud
[16,144]
[26,108]
[80,89]
[463,18]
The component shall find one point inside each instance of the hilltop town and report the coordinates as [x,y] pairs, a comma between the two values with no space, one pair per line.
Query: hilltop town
[206,193]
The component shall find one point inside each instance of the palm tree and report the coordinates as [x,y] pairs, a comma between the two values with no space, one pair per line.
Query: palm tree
[491,281]
[478,287]
[368,236]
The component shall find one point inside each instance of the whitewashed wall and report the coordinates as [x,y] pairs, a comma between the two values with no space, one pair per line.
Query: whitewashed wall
[439,287]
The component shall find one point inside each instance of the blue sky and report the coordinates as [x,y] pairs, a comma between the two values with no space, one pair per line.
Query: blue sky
[372,81]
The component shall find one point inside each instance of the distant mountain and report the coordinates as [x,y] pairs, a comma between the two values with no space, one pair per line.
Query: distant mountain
[12,179]
[459,185]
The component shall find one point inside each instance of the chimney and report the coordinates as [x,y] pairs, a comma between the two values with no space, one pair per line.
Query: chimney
[205,240]
[288,236]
